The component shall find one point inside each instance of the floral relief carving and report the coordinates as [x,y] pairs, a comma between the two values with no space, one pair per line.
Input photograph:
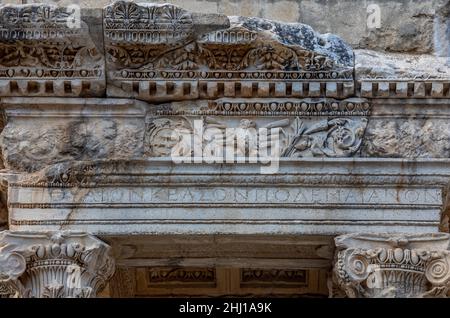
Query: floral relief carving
[151,44]
[297,137]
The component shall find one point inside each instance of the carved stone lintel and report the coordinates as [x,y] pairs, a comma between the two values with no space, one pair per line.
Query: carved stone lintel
[53,265]
[383,265]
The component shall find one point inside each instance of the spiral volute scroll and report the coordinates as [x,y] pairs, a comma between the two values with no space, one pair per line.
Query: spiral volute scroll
[12,266]
[437,271]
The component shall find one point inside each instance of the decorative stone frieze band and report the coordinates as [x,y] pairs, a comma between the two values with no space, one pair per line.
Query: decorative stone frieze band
[161,52]
[384,265]
[53,265]
[47,51]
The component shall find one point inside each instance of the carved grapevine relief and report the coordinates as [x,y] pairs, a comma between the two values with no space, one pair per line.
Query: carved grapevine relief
[337,137]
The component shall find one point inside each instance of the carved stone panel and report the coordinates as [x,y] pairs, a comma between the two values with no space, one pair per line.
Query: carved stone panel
[70,130]
[163,52]
[157,196]
[257,128]
[408,129]
[229,281]
[47,50]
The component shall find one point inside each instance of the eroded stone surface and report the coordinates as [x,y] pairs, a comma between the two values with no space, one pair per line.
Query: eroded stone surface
[411,139]
[381,65]
[400,196]
[127,129]
[70,132]
[406,26]
[198,87]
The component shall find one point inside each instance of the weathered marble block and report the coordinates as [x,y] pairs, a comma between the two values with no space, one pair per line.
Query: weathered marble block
[163,52]
[327,196]
[41,132]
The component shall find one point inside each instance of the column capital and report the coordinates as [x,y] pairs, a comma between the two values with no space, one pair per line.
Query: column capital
[53,265]
[393,265]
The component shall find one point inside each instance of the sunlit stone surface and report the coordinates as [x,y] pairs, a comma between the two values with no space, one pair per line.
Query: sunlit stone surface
[196,154]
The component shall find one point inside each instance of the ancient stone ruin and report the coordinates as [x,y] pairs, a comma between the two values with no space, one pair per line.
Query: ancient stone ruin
[152,151]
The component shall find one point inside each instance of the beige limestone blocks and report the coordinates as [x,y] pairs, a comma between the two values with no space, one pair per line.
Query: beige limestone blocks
[416,26]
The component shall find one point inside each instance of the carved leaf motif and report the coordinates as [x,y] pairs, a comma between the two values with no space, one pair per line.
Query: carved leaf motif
[83,292]
[293,139]
[126,10]
[53,291]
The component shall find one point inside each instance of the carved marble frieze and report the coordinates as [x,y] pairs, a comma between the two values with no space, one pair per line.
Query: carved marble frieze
[408,129]
[121,129]
[47,50]
[242,128]
[70,130]
[222,130]
[162,52]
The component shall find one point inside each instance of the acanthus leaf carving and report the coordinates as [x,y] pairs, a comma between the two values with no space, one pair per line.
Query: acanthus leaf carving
[54,265]
[392,270]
